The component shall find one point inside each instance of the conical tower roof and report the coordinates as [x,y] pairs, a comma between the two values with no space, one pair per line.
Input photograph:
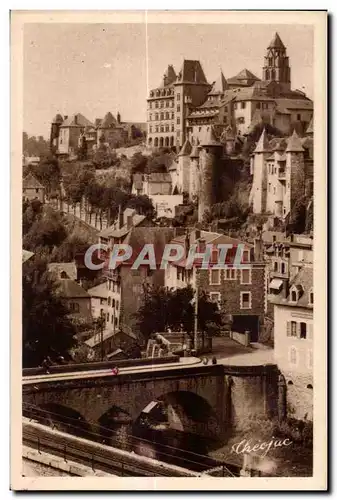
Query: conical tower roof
[276,42]
[219,86]
[195,152]
[310,129]
[186,149]
[262,145]
[108,121]
[210,138]
[294,144]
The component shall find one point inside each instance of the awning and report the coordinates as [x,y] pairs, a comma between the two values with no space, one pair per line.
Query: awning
[276,284]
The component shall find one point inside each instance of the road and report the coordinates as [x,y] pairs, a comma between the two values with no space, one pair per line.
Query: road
[188,361]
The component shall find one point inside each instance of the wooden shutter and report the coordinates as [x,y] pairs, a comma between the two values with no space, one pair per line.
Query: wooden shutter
[288,329]
[298,330]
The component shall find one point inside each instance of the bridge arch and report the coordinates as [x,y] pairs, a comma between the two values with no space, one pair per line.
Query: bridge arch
[61,417]
[115,427]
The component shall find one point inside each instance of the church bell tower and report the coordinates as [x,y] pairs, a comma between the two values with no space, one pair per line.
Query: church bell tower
[276,64]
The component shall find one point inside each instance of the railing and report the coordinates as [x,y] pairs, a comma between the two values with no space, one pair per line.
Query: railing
[100,365]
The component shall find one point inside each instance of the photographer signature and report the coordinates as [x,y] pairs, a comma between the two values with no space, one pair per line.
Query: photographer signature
[246,446]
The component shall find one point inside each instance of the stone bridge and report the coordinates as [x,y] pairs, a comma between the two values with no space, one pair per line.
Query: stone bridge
[206,400]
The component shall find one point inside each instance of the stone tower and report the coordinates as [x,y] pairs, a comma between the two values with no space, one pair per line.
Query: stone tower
[295,172]
[210,155]
[258,193]
[194,172]
[276,64]
[55,132]
[184,167]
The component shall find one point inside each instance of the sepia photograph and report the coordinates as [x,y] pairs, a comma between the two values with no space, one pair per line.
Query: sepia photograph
[172,174]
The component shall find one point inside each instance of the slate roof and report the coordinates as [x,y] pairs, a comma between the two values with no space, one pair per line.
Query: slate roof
[276,42]
[219,86]
[303,281]
[77,120]
[186,149]
[191,72]
[114,231]
[68,267]
[31,182]
[242,76]
[108,121]
[100,291]
[69,289]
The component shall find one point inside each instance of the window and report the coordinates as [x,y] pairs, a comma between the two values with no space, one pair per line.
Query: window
[109,301]
[162,104]
[167,115]
[214,277]
[178,121]
[269,187]
[117,304]
[113,302]
[245,256]
[283,268]
[230,274]
[162,116]
[243,105]
[246,276]
[294,296]
[157,116]
[298,117]
[107,317]
[275,266]
[157,128]
[235,105]
[167,103]
[258,105]
[178,97]
[167,128]
[245,300]
[156,104]
[215,297]
[309,386]
[172,128]
[74,307]
[293,355]
[63,275]
[178,108]
[311,298]
[303,330]
[172,116]
[112,318]
[291,329]
[36,190]
[161,128]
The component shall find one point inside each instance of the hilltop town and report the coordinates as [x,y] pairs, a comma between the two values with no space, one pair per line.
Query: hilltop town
[223,162]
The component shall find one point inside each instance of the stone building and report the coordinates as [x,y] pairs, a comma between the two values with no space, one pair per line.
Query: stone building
[293,336]
[68,134]
[240,292]
[282,172]
[185,103]
[32,189]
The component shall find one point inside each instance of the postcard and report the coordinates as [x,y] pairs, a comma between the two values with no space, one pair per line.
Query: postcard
[169,262]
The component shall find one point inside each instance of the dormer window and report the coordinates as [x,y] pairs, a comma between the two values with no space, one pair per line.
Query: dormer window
[296,292]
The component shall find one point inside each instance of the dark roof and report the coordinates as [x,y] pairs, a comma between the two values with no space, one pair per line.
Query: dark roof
[191,72]
[276,42]
[219,86]
[186,149]
[31,182]
[108,121]
[262,144]
[303,282]
[243,76]
[77,120]
[69,289]
[100,291]
[57,119]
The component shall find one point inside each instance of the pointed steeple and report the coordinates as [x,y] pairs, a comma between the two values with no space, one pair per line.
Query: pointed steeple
[276,42]
[220,85]
[210,138]
[262,144]
[310,129]
[294,144]
[186,149]
[195,152]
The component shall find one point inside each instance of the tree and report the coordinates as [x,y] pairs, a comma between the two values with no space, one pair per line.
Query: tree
[142,204]
[47,231]
[48,173]
[164,308]
[47,328]
[298,215]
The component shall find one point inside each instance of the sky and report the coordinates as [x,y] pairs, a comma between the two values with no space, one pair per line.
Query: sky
[96,68]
